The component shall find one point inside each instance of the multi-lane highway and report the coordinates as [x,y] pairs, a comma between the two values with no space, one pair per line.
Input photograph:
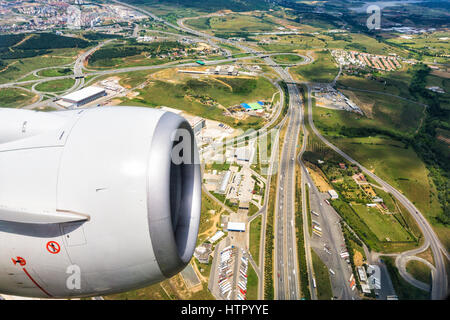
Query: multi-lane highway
[286,283]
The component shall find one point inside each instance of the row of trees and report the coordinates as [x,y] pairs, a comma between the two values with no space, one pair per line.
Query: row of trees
[36,45]
[303,271]
[269,243]
[52,41]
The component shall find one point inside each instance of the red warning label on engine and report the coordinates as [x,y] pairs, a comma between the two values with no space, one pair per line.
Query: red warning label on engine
[53,247]
[19,260]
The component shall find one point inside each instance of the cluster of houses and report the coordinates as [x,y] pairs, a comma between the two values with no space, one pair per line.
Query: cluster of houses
[361,59]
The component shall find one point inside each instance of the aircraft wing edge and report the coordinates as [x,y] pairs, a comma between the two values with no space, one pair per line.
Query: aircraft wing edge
[44,217]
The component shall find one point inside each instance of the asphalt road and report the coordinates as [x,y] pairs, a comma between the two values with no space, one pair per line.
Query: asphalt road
[285,240]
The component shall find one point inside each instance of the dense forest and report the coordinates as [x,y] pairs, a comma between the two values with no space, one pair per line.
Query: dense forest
[100,36]
[12,47]
[132,48]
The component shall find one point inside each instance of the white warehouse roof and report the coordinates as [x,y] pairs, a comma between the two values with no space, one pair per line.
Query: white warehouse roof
[219,234]
[82,94]
[236,226]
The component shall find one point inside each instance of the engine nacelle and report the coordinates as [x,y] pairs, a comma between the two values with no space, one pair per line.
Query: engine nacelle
[95,201]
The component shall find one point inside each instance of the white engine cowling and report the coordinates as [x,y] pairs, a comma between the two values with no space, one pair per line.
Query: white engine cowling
[95,201]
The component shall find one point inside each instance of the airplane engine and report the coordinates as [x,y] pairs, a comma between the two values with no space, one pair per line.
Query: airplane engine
[95,201]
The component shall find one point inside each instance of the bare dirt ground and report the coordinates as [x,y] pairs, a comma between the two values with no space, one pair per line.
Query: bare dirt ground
[318,178]
[35,99]
[169,75]
[357,258]
[213,229]
[114,102]
[365,107]
[442,74]
[178,286]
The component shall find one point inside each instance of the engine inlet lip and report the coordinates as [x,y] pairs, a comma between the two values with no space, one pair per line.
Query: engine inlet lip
[173,245]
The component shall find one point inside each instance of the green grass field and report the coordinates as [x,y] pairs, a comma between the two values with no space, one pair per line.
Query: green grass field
[323,69]
[322,276]
[385,226]
[358,42]
[233,49]
[287,59]
[255,238]
[252,209]
[252,284]
[290,43]
[55,72]
[20,67]
[55,85]
[404,290]
[132,61]
[395,82]
[192,94]
[201,23]
[435,44]
[386,113]
[153,292]
[133,79]
[15,98]
[234,23]
[419,271]
[401,168]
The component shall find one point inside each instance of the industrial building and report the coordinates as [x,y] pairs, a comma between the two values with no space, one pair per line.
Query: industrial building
[83,96]
[226,70]
[374,280]
[244,154]
[217,236]
[236,226]
[197,124]
[224,184]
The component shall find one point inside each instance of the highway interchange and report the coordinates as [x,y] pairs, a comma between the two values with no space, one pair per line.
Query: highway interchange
[286,261]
